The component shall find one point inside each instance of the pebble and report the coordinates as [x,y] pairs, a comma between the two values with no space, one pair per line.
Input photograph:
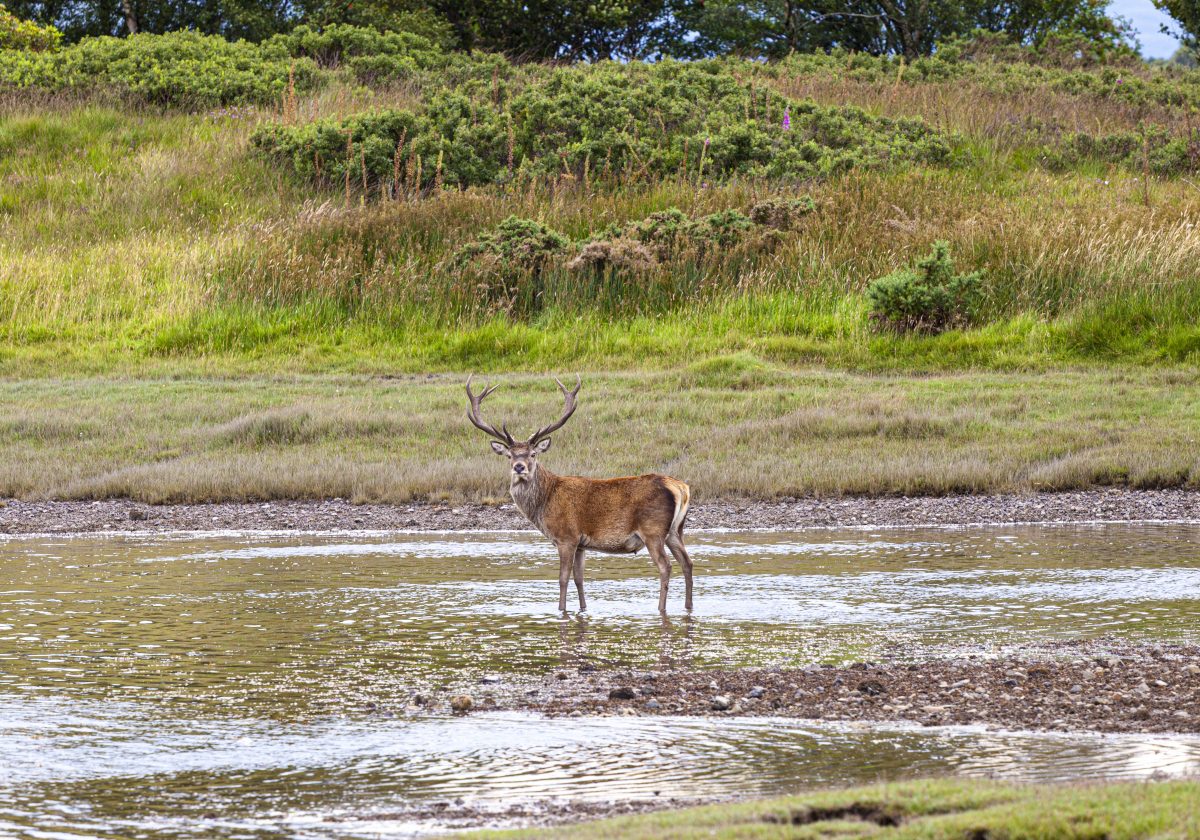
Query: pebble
[871,688]
[757,692]
[622,692]
[653,704]
[1194,670]
[721,702]
[490,679]
[461,702]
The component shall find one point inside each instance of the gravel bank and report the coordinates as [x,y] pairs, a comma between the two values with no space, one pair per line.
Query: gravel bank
[1108,505]
[1070,686]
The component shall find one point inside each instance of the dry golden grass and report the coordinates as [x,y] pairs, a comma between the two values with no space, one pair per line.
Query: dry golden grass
[730,427]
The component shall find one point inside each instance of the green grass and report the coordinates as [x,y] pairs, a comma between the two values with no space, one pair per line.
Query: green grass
[929,810]
[142,241]
[732,426]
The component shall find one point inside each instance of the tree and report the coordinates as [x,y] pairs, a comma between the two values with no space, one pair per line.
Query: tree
[773,28]
[1187,14]
[565,29]
[910,28]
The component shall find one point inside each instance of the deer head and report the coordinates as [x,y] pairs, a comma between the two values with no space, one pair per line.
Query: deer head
[521,454]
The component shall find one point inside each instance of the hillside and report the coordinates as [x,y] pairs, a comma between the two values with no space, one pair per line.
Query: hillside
[214,222]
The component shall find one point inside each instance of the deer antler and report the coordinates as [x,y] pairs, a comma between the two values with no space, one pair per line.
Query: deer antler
[568,410]
[500,434]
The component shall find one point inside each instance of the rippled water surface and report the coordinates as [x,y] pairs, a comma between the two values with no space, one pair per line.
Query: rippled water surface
[217,684]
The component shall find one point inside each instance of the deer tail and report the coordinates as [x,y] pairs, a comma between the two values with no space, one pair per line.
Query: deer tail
[683,495]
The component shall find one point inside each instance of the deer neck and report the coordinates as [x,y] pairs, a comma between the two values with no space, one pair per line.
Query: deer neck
[531,496]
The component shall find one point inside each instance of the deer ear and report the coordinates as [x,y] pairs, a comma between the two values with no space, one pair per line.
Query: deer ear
[542,445]
[501,449]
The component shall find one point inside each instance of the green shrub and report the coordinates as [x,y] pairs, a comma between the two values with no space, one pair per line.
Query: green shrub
[613,120]
[180,68]
[374,57]
[17,34]
[928,297]
[516,245]
[1156,150]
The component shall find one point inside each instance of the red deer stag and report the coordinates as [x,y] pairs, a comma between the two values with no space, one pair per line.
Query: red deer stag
[613,515]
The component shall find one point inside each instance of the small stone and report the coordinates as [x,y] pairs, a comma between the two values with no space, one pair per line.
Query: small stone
[1160,683]
[139,514]
[871,688]
[653,704]
[490,679]
[712,686]
[757,692]
[561,675]
[1016,674]
[721,702]
[1194,670]
[461,702]
[1076,689]
[622,692]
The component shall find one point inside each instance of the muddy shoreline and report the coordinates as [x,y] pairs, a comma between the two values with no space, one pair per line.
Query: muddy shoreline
[116,516]
[1070,686]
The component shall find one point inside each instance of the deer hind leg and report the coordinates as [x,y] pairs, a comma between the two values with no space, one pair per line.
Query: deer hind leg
[675,543]
[577,570]
[657,552]
[566,558]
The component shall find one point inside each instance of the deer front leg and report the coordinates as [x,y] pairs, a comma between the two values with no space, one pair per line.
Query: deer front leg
[566,557]
[577,571]
[657,552]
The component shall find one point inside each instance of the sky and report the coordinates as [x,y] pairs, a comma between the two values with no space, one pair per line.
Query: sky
[1146,20]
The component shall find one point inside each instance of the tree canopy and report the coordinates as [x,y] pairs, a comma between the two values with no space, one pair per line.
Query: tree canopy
[619,29]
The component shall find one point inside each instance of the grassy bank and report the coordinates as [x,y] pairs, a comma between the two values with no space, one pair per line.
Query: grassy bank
[731,426]
[949,809]
[135,238]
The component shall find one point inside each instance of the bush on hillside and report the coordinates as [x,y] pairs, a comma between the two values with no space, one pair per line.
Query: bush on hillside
[1012,71]
[927,298]
[17,34]
[1156,150]
[782,213]
[374,57]
[180,68]
[609,121]
[515,246]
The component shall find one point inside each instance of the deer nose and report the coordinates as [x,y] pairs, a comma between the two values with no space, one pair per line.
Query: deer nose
[518,468]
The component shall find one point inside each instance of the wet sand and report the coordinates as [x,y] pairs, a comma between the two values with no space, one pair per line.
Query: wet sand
[1093,686]
[1103,505]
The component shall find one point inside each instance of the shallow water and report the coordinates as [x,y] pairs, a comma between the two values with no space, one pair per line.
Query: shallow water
[154,686]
